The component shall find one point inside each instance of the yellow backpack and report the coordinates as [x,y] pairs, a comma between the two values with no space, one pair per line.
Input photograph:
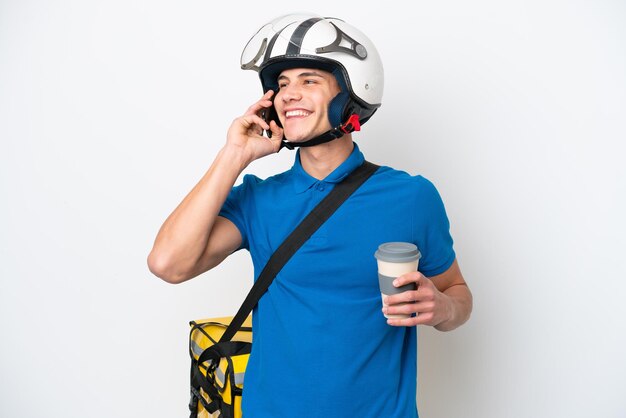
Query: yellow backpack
[217,370]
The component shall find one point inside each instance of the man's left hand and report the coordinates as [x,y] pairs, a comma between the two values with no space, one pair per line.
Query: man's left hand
[431,306]
[443,301]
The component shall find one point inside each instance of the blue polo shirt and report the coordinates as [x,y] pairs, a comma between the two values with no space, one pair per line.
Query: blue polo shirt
[322,347]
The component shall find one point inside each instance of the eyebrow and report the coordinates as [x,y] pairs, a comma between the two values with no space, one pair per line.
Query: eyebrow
[304,74]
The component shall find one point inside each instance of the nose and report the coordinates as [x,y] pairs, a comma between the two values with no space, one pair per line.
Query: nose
[290,93]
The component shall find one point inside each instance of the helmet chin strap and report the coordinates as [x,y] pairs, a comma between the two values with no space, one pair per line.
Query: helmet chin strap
[351,125]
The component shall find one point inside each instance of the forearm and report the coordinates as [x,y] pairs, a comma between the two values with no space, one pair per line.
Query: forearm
[183,237]
[459,308]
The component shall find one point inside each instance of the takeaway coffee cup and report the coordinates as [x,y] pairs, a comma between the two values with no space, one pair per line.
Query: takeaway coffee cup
[395,259]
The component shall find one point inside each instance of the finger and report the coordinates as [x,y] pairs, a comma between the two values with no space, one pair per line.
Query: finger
[412,277]
[403,322]
[409,308]
[404,297]
[276,138]
[257,107]
[421,319]
[249,122]
[268,94]
[400,309]
[277,131]
[263,103]
[421,294]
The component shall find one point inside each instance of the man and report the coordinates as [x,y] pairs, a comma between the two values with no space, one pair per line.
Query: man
[322,347]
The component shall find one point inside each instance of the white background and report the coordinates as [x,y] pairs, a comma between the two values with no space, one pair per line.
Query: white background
[111,111]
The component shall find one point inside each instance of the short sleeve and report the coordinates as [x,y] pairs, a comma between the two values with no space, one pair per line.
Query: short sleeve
[431,230]
[237,205]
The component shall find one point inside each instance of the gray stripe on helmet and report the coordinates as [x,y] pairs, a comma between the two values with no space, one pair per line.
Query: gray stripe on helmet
[295,43]
[387,287]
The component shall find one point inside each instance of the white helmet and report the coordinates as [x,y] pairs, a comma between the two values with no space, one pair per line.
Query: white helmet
[312,41]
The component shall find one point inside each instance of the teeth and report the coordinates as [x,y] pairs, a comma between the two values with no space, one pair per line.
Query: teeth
[292,113]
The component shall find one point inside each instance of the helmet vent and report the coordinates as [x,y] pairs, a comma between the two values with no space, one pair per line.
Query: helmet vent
[355,49]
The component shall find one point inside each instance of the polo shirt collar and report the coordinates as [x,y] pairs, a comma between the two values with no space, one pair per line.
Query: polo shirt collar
[302,181]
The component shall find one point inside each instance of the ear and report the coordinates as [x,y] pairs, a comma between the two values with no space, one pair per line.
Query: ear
[337,108]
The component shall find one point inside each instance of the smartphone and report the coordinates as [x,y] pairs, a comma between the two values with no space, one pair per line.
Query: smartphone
[269,114]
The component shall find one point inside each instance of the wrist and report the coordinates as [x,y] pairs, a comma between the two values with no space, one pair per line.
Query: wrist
[235,156]
[448,314]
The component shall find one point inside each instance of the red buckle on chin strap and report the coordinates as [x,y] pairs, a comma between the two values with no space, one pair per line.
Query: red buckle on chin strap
[352,124]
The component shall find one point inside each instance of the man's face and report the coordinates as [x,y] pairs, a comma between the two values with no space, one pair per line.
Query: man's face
[302,102]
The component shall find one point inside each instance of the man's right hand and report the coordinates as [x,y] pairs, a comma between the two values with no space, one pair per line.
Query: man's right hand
[246,132]
[194,238]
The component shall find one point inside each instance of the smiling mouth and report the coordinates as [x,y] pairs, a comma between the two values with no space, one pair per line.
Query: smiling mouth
[296,113]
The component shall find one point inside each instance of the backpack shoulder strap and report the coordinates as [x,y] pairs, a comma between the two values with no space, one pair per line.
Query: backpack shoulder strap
[294,241]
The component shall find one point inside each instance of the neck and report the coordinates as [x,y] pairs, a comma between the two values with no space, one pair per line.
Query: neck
[321,160]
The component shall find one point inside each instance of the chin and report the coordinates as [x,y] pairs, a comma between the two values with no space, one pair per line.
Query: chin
[295,136]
